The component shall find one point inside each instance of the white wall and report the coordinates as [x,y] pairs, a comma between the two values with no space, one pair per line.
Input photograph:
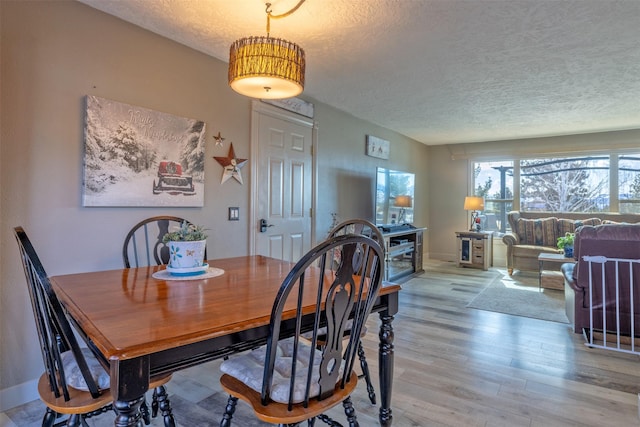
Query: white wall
[346,176]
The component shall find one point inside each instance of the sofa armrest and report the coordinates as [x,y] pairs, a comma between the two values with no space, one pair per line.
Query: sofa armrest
[567,272]
[510,239]
[571,295]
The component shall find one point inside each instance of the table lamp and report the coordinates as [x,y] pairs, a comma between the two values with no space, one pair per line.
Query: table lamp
[402,202]
[474,204]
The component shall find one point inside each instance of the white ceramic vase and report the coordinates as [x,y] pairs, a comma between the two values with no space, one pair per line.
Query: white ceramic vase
[186,254]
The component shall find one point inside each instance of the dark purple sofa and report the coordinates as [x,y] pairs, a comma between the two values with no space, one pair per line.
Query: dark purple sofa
[611,241]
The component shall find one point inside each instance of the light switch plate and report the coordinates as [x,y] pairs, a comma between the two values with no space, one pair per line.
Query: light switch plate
[234,214]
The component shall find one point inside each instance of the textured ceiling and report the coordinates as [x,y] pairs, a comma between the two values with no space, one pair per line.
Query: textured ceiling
[439,71]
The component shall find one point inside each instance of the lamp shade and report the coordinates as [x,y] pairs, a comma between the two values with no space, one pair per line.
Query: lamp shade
[266,68]
[473,203]
[403,201]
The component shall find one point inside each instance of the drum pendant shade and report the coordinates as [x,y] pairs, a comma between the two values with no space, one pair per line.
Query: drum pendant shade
[266,68]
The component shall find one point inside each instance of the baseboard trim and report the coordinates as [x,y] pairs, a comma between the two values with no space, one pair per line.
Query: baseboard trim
[18,395]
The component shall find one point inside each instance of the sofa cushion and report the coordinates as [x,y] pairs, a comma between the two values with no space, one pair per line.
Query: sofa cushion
[532,251]
[608,233]
[566,226]
[570,225]
[542,232]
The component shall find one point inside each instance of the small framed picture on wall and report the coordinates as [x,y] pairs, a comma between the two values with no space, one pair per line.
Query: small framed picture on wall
[377,147]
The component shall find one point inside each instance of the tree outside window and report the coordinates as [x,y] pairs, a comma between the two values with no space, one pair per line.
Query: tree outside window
[629,183]
[579,184]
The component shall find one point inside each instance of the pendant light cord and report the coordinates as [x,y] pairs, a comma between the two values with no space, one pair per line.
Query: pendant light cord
[283,15]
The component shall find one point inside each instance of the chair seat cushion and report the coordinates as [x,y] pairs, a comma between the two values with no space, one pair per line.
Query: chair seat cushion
[73,375]
[249,369]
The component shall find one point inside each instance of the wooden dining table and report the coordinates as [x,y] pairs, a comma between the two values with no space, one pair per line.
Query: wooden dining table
[140,326]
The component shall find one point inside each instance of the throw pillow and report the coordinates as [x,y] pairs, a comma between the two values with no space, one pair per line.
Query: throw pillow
[566,226]
[590,221]
[539,232]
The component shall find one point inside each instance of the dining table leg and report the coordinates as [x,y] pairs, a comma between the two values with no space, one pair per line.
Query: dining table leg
[385,357]
[128,412]
[129,383]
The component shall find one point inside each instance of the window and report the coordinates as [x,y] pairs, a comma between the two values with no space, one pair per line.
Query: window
[494,181]
[599,183]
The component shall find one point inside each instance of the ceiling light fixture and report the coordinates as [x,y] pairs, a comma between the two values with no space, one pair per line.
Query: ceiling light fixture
[267,67]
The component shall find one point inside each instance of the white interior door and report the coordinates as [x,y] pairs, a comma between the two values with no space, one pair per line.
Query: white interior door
[283,183]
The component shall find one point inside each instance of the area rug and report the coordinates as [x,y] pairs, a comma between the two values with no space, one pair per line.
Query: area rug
[525,301]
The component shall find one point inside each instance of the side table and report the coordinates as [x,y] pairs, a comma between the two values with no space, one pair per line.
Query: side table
[475,249]
[551,278]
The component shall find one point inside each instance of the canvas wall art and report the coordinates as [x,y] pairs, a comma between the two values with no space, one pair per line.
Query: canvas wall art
[139,157]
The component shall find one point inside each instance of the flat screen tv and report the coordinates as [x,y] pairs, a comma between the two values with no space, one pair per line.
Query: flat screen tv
[394,197]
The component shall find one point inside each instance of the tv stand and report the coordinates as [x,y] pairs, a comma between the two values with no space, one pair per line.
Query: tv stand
[403,251]
[392,228]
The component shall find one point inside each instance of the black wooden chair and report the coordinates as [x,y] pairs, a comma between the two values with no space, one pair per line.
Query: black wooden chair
[365,228]
[359,226]
[143,245]
[291,379]
[74,382]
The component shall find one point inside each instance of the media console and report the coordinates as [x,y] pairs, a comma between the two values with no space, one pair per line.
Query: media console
[403,251]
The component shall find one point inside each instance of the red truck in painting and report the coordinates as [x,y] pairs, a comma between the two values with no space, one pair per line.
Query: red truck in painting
[172,181]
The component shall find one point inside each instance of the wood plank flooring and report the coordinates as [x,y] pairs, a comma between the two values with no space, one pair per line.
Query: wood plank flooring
[454,366]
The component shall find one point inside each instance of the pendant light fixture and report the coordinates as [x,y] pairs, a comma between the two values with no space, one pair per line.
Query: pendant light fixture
[267,67]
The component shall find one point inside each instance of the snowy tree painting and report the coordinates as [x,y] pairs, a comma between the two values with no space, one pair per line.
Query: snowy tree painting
[139,157]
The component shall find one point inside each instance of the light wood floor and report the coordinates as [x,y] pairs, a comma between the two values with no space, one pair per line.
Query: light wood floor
[454,366]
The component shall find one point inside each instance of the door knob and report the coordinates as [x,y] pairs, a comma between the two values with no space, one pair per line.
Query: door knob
[264,225]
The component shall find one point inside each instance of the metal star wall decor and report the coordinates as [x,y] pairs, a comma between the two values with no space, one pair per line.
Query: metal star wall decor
[231,165]
[219,139]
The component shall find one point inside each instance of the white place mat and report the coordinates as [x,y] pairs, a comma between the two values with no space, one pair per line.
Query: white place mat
[211,272]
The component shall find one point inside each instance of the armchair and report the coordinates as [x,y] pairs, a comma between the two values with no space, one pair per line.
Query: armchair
[620,241]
